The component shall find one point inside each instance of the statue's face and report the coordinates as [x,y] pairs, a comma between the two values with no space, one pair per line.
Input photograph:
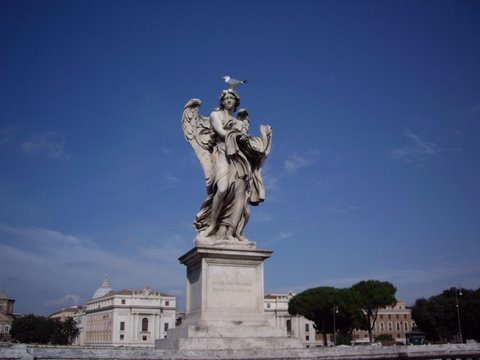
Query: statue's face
[229,102]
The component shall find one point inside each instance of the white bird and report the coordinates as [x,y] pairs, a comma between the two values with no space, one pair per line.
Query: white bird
[233,83]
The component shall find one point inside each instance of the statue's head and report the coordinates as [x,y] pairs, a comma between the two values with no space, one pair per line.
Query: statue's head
[229,93]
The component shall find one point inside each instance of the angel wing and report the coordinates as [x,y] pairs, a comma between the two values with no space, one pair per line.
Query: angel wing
[199,133]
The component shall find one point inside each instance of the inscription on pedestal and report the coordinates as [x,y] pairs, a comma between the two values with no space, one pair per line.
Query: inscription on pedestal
[232,286]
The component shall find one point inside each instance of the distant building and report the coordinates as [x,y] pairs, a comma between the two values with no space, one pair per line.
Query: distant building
[6,316]
[65,313]
[276,307]
[126,317]
[392,320]
[76,313]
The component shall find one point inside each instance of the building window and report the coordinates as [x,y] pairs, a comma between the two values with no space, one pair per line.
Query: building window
[144,338]
[398,326]
[268,305]
[397,316]
[121,336]
[123,301]
[144,324]
[307,327]
[289,326]
[165,327]
[381,317]
[405,326]
[6,328]
[390,326]
[167,303]
[382,327]
[307,338]
[389,316]
[122,325]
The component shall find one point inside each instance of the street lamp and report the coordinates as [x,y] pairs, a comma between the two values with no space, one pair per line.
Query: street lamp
[335,312]
[458,313]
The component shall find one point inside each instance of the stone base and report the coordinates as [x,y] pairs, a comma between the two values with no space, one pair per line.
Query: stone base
[228,343]
[225,303]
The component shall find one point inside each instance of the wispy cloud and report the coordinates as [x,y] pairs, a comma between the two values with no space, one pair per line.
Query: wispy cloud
[416,149]
[411,282]
[338,206]
[296,162]
[284,235]
[42,259]
[166,151]
[50,144]
[65,301]
[170,180]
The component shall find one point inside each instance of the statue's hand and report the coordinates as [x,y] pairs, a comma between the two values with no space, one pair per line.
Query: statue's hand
[268,129]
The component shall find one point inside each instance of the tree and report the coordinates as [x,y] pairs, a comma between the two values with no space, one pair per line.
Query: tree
[348,312]
[316,305]
[40,330]
[31,329]
[64,332]
[370,296]
[438,316]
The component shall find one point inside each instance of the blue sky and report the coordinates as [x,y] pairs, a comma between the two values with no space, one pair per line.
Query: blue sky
[374,171]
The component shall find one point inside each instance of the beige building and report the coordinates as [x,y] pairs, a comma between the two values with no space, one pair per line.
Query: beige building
[6,316]
[126,317]
[70,312]
[76,313]
[392,320]
[276,306]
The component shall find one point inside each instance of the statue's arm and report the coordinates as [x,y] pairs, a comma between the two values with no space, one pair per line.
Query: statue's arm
[217,123]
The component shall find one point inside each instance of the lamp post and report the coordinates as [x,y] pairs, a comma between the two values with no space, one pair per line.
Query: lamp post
[458,313]
[335,312]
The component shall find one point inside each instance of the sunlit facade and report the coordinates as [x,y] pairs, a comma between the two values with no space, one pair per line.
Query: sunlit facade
[392,320]
[276,308]
[127,317]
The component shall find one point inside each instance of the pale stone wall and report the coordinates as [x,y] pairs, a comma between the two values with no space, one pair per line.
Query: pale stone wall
[127,318]
[276,307]
[425,352]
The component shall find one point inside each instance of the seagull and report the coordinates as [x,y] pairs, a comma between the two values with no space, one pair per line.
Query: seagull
[233,83]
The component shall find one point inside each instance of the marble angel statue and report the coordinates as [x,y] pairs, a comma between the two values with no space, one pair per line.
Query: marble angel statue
[231,160]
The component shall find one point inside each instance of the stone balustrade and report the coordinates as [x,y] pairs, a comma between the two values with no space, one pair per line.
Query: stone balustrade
[422,352]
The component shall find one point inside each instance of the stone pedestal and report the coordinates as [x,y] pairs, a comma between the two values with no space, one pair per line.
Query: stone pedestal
[225,303]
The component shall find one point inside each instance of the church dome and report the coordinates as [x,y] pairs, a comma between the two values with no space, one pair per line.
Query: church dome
[103,290]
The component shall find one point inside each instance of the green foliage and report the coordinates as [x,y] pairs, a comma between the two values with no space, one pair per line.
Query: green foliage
[40,330]
[344,338]
[31,329]
[316,305]
[348,311]
[370,296]
[438,318]
[351,308]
